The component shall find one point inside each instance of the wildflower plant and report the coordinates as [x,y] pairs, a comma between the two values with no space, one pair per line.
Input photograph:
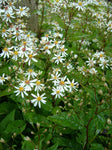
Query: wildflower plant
[56,84]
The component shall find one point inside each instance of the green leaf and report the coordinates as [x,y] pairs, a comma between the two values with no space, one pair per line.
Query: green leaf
[54,147]
[4,123]
[16,126]
[27,145]
[96,146]
[65,120]
[5,92]
[6,107]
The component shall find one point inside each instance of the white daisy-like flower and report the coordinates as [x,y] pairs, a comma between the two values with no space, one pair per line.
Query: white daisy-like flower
[92,71]
[30,57]
[30,73]
[57,92]
[5,53]
[38,85]
[38,99]
[20,90]
[91,62]
[62,84]
[72,85]
[2,78]
[58,59]
[103,63]
[28,84]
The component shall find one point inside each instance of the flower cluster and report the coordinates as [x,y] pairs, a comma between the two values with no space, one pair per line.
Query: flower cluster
[22,50]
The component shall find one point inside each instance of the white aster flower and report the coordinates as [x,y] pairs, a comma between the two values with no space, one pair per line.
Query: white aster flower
[6,52]
[30,73]
[2,78]
[58,58]
[91,62]
[72,85]
[38,85]
[57,92]
[38,99]
[30,57]
[20,90]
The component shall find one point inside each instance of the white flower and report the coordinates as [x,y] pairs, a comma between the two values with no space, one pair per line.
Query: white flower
[28,84]
[38,86]
[2,78]
[20,90]
[57,92]
[103,63]
[93,71]
[63,51]
[62,84]
[5,53]
[58,59]
[8,16]
[72,85]
[22,11]
[30,73]
[80,5]
[55,77]
[38,99]
[30,57]
[91,62]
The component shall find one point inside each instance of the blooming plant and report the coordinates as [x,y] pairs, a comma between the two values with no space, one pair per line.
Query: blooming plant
[56,84]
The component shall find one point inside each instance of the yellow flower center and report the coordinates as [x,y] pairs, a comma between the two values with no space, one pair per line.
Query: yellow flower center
[57,1]
[62,82]
[30,70]
[46,47]
[28,35]
[62,49]
[99,3]
[24,43]
[46,35]
[99,22]
[27,81]
[10,4]
[38,82]
[72,84]
[3,30]
[39,98]
[17,34]
[57,91]
[2,78]
[21,9]
[21,89]
[59,57]
[55,77]
[101,55]
[80,3]
[5,49]
[84,69]
[30,56]
[16,52]
[56,69]
[67,64]
[110,25]
[56,42]
[8,15]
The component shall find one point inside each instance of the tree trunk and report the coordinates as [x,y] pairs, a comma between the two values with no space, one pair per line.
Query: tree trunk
[33,19]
